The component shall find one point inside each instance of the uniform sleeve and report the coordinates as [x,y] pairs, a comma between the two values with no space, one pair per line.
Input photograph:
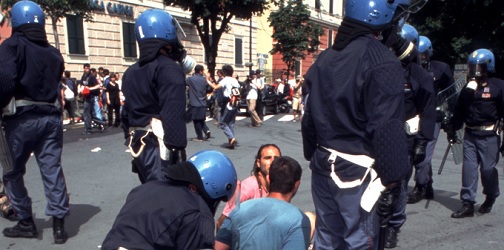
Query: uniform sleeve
[384,104]
[425,101]
[308,131]
[171,86]
[8,71]
[464,100]
[299,237]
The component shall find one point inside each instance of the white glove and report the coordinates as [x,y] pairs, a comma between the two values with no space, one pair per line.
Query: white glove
[472,85]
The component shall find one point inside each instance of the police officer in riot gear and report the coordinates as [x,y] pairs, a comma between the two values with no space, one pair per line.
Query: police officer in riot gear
[30,74]
[177,213]
[154,89]
[420,121]
[479,107]
[442,76]
[353,127]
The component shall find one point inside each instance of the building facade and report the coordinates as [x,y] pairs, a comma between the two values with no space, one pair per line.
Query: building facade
[108,40]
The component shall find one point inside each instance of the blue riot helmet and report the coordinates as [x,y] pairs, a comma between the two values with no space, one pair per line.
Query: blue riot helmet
[378,14]
[211,172]
[425,50]
[479,63]
[159,24]
[409,33]
[26,12]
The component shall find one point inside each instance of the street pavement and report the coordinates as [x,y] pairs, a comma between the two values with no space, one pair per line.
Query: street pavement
[98,175]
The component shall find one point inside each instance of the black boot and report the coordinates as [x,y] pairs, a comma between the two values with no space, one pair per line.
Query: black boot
[390,237]
[60,236]
[486,207]
[25,228]
[467,210]
[429,191]
[417,194]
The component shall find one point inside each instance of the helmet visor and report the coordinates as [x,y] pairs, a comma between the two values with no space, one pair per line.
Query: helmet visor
[476,70]
[416,5]
[180,32]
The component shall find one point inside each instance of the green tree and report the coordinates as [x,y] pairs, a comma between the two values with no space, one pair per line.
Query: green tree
[211,19]
[295,35]
[57,9]
[456,28]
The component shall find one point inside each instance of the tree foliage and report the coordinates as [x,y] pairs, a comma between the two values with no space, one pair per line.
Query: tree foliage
[57,9]
[211,19]
[294,33]
[456,28]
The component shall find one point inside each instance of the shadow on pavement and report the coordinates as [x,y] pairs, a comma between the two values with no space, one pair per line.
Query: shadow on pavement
[80,214]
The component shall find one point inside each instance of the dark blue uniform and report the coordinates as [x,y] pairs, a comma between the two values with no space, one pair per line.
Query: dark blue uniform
[159,215]
[154,89]
[419,100]
[30,71]
[442,76]
[355,106]
[479,110]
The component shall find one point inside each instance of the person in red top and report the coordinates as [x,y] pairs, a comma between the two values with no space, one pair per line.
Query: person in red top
[254,186]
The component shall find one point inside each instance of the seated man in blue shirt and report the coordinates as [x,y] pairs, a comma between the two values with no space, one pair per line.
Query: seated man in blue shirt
[270,222]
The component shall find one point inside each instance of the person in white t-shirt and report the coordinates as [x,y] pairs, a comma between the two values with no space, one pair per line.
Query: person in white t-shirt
[255,87]
[228,111]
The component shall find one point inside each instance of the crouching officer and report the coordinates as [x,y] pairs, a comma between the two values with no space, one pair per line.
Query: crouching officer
[420,121]
[177,213]
[30,73]
[154,89]
[480,107]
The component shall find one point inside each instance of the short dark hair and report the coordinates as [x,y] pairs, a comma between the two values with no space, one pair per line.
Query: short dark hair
[67,74]
[86,65]
[106,71]
[283,174]
[199,68]
[227,70]
[93,70]
[255,169]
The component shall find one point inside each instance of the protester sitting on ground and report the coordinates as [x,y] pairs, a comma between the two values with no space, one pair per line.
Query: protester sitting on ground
[270,222]
[256,185]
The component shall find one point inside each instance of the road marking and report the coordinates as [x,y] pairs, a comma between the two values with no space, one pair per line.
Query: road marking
[286,118]
[267,117]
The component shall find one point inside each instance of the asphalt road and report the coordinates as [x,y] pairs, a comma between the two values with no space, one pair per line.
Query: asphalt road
[97,171]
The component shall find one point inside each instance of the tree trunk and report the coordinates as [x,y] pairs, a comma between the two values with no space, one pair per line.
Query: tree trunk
[55,32]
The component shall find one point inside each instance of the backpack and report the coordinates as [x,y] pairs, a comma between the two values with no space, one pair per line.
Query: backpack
[235,97]
[69,94]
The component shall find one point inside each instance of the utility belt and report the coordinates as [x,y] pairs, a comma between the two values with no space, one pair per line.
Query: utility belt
[373,190]
[481,128]
[156,127]
[10,109]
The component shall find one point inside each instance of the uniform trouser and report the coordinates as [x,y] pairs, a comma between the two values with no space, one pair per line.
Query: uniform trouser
[423,171]
[148,164]
[341,223]
[41,134]
[254,118]
[88,112]
[482,151]
[399,211]
[227,121]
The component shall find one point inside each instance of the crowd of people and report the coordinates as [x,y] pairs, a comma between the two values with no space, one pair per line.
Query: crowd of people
[95,99]
[365,131]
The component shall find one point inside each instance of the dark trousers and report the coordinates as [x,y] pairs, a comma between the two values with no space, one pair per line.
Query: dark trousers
[88,112]
[41,134]
[69,107]
[114,110]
